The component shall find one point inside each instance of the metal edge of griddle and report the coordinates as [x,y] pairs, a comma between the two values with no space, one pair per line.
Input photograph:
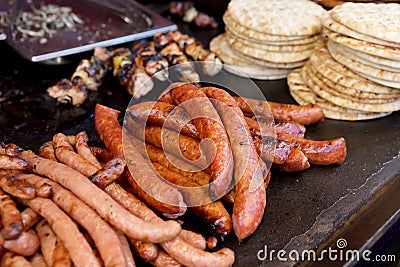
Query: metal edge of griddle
[329,222]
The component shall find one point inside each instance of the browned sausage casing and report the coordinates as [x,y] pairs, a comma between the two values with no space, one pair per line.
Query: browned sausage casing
[10,259]
[110,132]
[47,151]
[10,217]
[12,163]
[296,161]
[209,125]
[26,244]
[250,199]
[16,187]
[305,115]
[83,149]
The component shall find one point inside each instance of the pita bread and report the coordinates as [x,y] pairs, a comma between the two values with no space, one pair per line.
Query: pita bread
[388,52]
[345,52]
[301,41]
[378,20]
[371,58]
[348,103]
[303,95]
[278,17]
[274,48]
[307,73]
[220,46]
[241,30]
[389,84]
[335,26]
[350,91]
[340,74]
[258,73]
[363,69]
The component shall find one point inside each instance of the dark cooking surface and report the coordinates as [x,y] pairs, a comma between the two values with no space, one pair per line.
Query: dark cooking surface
[29,117]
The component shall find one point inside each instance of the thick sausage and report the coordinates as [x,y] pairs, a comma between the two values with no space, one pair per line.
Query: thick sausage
[282,127]
[101,154]
[305,115]
[156,193]
[54,252]
[13,260]
[65,153]
[267,152]
[101,202]
[179,249]
[83,149]
[68,232]
[321,152]
[163,114]
[182,146]
[208,123]
[212,213]
[12,163]
[250,199]
[296,161]
[147,251]
[15,186]
[47,151]
[105,238]
[10,217]
[26,244]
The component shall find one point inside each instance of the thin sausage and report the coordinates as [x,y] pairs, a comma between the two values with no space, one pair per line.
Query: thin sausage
[164,260]
[10,217]
[147,251]
[130,262]
[12,163]
[83,149]
[105,238]
[101,202]
[209,125]
[29,218]
[155,193]
[16,187]
[305,115]
[14,260]
[111,171]
[54,252]
[37,260]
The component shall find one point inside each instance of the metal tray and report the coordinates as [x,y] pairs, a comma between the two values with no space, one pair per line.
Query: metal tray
[106,23]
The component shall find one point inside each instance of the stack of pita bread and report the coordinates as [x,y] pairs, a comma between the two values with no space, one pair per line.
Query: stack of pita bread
[268,39]
[356,76]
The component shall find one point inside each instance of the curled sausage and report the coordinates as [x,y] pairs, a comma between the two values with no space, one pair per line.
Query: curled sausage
[156,193]
[305,115]
[101,202]
[208,123]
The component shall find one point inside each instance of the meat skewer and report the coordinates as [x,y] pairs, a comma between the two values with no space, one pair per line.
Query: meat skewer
[190,14]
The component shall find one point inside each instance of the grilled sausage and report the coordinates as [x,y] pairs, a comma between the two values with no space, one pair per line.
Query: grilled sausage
[105,238]
[68,232]
[12,163]
[282,127]
[130,262]
[180,250]
[16,187]
[14,260]
[109,173]
[29,218]
[47,151]
[101,202]
[147,251]
[296,161]
[37,260]
[83,149]
[305,115]
[164,260]
[53,250]
[209,125]
[110,132]
[101,154]
[250,199]
[10,217]
[213,213]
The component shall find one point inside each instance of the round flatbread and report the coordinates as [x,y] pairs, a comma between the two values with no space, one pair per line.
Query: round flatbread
[335,26]
[378,20]
[363,69]
[259,36]
[340,74]
[348,103]
[266,47]
[388,52]
[303,96]
[220,46]
[277,57]
[308,74]
[348,53]
[350,91]
[301,41]
[256,73]
[278,17]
